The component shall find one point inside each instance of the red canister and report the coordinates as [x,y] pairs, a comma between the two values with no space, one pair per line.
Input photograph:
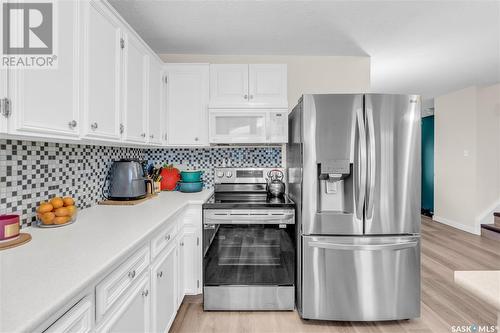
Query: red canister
[9,226]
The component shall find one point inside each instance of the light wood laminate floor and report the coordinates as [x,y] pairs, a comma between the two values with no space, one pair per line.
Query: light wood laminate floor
[444,304]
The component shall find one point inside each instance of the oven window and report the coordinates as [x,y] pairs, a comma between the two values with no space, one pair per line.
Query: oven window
[250,255]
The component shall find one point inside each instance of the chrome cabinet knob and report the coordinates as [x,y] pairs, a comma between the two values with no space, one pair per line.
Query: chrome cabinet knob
[94,126]
[182,243]
[151,136]
[122,128]
[245,96]
[160,274]
[72,124]
[143,135]
[167,237]
[196,139]
[145,293]
[131,274]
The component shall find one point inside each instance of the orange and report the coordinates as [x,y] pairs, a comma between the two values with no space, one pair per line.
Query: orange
[68,201]
[71,210]
[48,218]
[56,202]
[45,207]
[62,211]
[61,219]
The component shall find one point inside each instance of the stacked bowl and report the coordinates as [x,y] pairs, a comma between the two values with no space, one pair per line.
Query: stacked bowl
[191,181]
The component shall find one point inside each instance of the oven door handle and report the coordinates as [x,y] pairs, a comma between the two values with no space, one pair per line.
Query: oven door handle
[245,219]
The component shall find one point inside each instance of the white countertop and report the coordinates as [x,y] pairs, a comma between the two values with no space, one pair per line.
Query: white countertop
[38,278]
[484,284]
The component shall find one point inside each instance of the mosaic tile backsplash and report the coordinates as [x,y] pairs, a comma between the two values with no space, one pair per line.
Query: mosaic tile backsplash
[34,171]
[207,159]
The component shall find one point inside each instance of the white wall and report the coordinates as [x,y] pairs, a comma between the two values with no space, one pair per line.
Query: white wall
[467,157]
[454,138]
[306,74]
[488,157]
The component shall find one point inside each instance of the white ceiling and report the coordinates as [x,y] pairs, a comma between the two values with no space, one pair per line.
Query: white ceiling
[425,47]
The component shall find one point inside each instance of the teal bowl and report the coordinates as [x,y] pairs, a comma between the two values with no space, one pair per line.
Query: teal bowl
[191,176]
[190,187]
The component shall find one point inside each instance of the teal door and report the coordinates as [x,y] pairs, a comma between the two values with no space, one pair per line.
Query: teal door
[428,165]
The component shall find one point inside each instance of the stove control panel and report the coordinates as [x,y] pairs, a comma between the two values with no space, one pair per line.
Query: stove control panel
[244,175]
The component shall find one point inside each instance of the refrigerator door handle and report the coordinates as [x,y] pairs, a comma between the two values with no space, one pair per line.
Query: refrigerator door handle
[360,164]
[363,247]
[372,163]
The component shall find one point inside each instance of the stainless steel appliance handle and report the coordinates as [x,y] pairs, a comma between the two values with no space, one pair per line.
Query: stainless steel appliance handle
[372,164]
[363,247]
[244,219]
[360,165]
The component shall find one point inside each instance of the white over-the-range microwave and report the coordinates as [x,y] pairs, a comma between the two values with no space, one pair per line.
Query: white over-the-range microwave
[248,126]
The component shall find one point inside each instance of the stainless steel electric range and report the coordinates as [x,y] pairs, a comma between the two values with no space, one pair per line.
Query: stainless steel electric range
[248,244]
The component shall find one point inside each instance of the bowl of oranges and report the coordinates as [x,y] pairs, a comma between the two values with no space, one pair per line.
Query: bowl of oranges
[56,212]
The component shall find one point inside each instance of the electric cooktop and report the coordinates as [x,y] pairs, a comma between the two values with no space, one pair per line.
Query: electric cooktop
[232,200]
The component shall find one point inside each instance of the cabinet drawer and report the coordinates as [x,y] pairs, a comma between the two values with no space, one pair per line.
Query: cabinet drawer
[164,238]
[78,319]
[109,290]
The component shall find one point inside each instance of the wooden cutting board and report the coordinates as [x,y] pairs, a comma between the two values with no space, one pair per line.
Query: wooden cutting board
[126,202]
[23,238]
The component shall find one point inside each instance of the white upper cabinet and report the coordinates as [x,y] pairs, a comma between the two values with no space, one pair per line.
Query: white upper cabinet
[135,94]
[102,72]
[248,86]
[156,100]
[3,99]
[228,85]
[45,101]
[268,85]
[187,104]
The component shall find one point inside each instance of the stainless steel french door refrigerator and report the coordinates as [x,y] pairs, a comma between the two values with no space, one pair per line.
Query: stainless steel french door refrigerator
[354,172]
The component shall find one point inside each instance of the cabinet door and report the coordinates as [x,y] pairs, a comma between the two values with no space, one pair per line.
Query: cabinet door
[45,101]
[135,72]
[187,100]
[133,314]
[191,258]
[102,68]
[79,318]
[268,85]
[228,85]
[164,290]
[3,94]
[156,85]
[181,258]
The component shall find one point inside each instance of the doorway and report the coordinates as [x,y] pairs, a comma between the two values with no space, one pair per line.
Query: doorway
[427,196]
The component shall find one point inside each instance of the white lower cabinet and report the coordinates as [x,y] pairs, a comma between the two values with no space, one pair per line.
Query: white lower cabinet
[78,319]
[145,290]
[164,290]
[190,257]
[133,313]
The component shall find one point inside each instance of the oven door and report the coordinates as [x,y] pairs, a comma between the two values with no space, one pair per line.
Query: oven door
[254,247]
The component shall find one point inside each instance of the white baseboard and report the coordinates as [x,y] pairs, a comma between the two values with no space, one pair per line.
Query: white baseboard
[486,217]
[468,228]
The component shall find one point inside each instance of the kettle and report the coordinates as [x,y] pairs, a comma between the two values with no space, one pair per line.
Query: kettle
[127,180]
[275,185]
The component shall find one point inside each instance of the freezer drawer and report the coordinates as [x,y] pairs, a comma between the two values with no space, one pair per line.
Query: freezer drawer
[360,278]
